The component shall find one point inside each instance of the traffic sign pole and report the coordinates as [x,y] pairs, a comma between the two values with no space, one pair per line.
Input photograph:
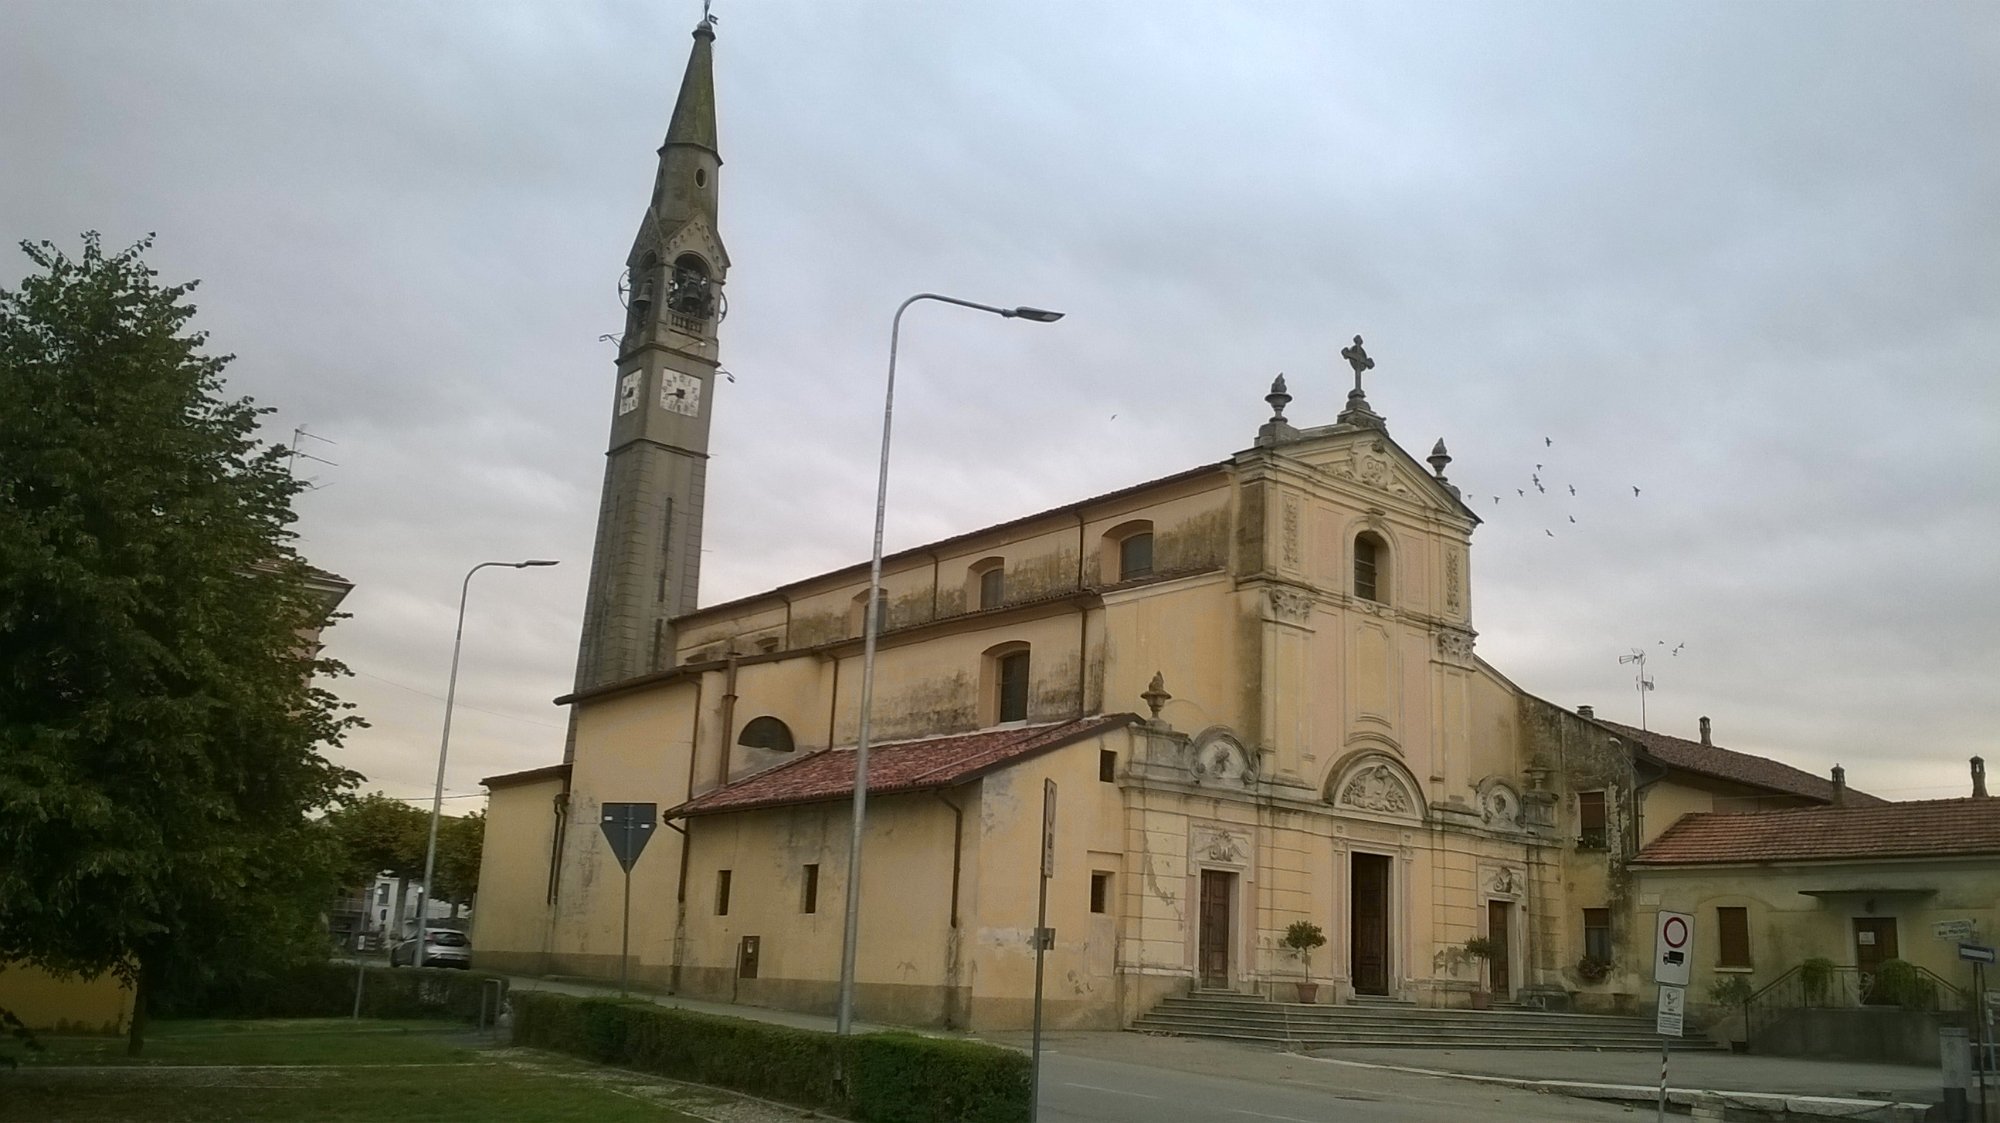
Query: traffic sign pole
[1673,948]
[1043,938]
[628,827]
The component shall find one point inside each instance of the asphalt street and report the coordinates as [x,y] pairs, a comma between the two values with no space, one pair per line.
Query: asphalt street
[1231,1085]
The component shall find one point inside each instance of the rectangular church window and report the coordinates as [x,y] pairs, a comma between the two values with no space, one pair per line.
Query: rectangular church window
[1590,821]
[722,892]
[1597,934]
[1732,928]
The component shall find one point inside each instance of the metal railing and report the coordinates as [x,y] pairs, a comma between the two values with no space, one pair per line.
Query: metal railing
[1840,987]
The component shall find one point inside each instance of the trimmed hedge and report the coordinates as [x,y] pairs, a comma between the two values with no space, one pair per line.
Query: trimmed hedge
[326,990]
[878,1077]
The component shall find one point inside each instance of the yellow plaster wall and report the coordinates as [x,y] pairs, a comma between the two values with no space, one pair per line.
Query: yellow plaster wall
[70,1005]
[1788,926]
[510,928]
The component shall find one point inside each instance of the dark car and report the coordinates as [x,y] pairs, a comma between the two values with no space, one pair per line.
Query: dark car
[444,947]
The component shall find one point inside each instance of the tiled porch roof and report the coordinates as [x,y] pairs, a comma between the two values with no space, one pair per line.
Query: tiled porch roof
[1930,828]
[906,766]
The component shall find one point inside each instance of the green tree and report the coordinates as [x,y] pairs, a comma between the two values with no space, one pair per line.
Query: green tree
[461,842]
[380,835]
[161,734]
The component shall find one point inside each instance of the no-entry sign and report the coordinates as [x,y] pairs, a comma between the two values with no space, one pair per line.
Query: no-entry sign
[1673,948]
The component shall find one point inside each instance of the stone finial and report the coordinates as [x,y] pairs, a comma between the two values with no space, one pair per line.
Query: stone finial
[1978,778]
[1704,732]
[1438,458]
[1278,399]
[1156,695]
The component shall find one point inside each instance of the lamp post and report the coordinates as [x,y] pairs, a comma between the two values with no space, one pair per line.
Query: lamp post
[444,744]
[844,1018]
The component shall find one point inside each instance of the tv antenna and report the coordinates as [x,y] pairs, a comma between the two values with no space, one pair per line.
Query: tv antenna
[292,454]
[1639,680]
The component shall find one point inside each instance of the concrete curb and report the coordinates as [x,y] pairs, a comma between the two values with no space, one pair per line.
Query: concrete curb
[1700,1102]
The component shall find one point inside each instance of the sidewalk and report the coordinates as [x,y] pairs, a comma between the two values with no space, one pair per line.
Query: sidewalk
[1795,1085]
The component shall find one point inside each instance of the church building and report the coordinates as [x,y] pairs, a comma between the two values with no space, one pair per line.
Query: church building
[1254,684]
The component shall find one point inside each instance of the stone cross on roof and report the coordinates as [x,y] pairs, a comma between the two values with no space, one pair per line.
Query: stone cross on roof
[1357,411]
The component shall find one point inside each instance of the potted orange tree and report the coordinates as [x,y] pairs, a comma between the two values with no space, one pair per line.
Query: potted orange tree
[1481,948]
[1302,937]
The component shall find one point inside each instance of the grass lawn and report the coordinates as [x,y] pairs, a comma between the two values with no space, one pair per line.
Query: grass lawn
[324,1071]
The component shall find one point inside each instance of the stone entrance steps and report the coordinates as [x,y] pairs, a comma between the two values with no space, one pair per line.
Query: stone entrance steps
[1243,1017]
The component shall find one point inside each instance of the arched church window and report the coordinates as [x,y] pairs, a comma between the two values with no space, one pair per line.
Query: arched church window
[767,733]
[1371,579]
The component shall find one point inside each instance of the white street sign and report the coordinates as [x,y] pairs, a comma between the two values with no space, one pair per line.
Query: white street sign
[1673,1004]
[1953,931]
[1048,828]
[1673,948]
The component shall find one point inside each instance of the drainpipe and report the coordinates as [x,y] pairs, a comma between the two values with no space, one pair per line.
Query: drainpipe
[1082,659]
[951,937]
[728,720]
[833,701]
[788,620]
[934,584]
[681,881]
[1079,551]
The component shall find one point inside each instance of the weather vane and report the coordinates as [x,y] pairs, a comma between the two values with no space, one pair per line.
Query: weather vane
[707,17]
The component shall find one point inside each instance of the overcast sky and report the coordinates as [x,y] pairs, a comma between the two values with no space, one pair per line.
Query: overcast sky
[1743,257]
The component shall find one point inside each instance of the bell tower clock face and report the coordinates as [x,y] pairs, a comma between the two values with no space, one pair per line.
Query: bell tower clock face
[680,393]
[628,393]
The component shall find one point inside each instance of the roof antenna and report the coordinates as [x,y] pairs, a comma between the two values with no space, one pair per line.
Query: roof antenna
[1640,682]
[292,455]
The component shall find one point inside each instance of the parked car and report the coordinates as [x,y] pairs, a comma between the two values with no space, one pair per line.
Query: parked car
[444,947]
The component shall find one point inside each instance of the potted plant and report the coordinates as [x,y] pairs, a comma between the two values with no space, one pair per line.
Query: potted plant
[1302,937]
[1481,948]
[1592,969]
[1816,979]
[1734,992]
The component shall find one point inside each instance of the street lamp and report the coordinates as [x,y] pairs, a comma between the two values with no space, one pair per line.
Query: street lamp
[844,1018]
[437,796]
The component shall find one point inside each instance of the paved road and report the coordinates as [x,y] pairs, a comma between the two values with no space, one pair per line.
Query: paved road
[1130,1078]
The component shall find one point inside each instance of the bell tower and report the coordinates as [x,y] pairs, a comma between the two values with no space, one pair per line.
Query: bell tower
[647,562]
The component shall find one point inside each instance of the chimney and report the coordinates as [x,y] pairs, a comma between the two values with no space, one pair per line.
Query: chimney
[1704,732]
[1586,711]
[1978,778]
[1839,786]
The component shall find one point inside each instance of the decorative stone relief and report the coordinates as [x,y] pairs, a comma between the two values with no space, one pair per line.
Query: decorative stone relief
[1222,758]
[1503,882]
[1499,805]
[1455,643]
[1376,788]
[1289,538]
[1371,469]
[1294,606]
[1453,601]
[1218,844]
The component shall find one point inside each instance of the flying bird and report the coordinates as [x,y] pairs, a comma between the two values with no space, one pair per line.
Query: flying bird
[1540,488]
[1677,648]
[1635,493]
[1548,532]
[1547,443]
[1523,494]
[1572,489]
[1572,518]
[1538,467]
[1496,499]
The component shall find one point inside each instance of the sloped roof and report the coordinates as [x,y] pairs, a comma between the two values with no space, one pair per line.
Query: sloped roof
[908,766]
[1728,764]
[528,776]
[1930,828]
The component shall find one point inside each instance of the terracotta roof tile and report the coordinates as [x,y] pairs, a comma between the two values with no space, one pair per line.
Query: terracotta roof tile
[908,766]
[1917,829]
[1728,764]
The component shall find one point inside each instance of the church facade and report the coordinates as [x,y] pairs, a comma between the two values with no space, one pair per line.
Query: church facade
[1254,686]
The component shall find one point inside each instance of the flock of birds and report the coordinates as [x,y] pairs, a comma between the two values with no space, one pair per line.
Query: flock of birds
[1541,489]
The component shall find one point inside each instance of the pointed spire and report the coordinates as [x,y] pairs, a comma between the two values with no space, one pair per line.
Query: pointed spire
[694,111]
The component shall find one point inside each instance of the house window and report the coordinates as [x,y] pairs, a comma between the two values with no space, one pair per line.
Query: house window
[1100,891]
[1012,672]
[1107,766]
[1135,556]
[722,892]
[1368,556]
[766,733]
[993,587]
[857,620]
[1590,821]
[1732,926]
[1597,934]
[809,891]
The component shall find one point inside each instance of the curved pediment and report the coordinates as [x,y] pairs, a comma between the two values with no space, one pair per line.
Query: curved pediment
[1373,784]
